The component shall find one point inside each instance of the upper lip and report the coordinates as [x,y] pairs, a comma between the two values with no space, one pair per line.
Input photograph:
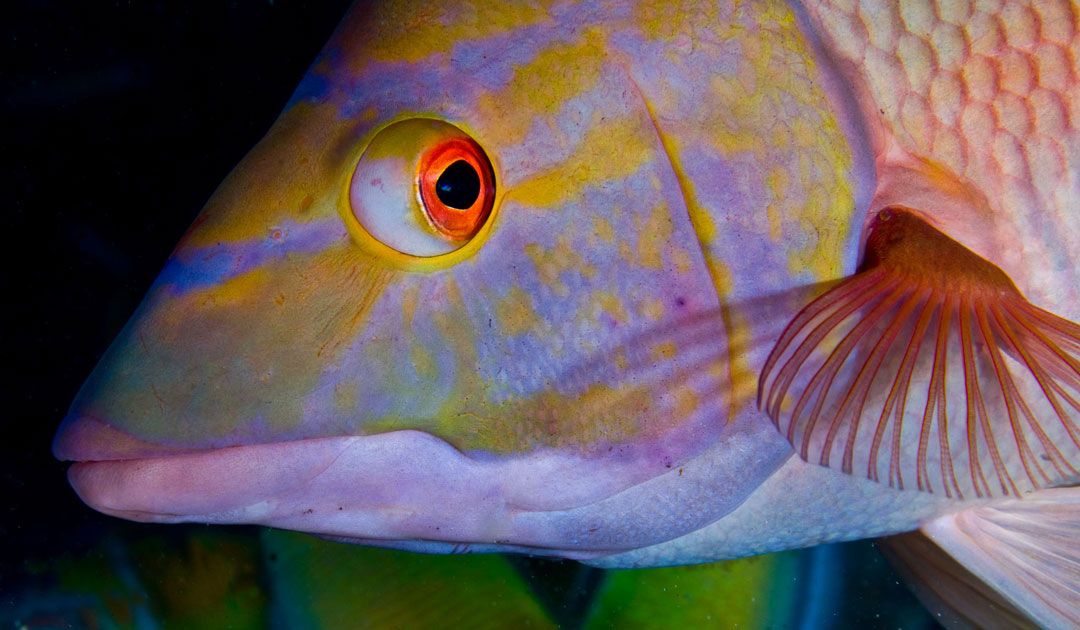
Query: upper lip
[86,438]
[411,485]
[403,485]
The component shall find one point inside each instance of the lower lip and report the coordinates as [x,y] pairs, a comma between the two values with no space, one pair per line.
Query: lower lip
[401,488]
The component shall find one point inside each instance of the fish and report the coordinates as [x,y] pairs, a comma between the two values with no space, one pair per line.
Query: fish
[636,284]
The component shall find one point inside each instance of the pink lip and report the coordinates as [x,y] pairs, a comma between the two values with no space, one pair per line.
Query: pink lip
[411,489]
[404,488]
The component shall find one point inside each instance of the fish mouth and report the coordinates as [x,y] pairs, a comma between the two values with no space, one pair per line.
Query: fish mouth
[405,489]
[412,490]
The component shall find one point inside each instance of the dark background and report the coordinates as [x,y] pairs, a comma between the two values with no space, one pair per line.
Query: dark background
[119,120]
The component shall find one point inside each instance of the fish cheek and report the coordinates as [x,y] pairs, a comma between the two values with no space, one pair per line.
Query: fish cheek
[425,370]
[235,361]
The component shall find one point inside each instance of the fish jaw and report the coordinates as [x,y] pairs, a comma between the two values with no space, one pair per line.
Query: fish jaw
[414,490]
[310,485]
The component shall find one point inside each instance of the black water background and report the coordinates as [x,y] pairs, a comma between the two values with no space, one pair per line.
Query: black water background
[119,121]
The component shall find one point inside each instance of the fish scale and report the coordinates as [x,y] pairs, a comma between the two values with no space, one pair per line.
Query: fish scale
[987,90]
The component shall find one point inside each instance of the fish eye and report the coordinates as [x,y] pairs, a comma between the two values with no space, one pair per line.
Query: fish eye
[422,188]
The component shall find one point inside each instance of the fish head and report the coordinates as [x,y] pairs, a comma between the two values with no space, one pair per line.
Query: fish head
[487,283]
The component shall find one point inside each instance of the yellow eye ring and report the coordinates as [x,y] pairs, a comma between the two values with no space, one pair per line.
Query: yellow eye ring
[420,194]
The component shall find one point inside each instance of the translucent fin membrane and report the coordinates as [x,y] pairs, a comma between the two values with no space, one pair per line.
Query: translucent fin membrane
[929,369]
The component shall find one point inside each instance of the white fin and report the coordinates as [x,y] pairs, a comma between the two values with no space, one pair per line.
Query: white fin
[955,597]
[1028,550]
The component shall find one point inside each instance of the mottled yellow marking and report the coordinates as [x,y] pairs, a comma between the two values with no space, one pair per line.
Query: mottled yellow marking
[781,137]
[664,351]
[411,31]
[777,182]
[369,114]
[515,312]
[705,229]
[552,263]
[347,396]
[423,363]
[542,86]
[774,86]
[409,298]
[683,262]
[236,290]
[654,236]
[454,325]
[773,214]
[597,415]
[263,371]
[460,337]
[603,302]
[601,413]
[275,182]
[700,218]
[621,362]
[743,381]
[609,150]
[653,308]
[665,21]
[603,229]
[686,401]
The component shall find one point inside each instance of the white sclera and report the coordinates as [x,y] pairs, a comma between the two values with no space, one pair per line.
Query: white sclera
[384,193]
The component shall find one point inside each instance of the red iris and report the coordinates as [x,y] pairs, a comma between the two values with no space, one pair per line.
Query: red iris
[457,187]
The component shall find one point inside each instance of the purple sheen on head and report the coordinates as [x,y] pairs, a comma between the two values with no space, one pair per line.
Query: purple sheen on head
[199,267]
[489,63]
[309,385]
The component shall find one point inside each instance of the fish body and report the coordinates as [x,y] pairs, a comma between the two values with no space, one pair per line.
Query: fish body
[528,277]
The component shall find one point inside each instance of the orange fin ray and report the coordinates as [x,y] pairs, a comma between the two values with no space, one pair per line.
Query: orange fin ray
[929,366]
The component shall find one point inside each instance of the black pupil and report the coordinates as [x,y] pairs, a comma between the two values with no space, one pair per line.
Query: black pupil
[458,186]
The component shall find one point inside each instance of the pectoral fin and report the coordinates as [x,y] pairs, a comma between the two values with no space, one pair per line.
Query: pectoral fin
[930,369]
